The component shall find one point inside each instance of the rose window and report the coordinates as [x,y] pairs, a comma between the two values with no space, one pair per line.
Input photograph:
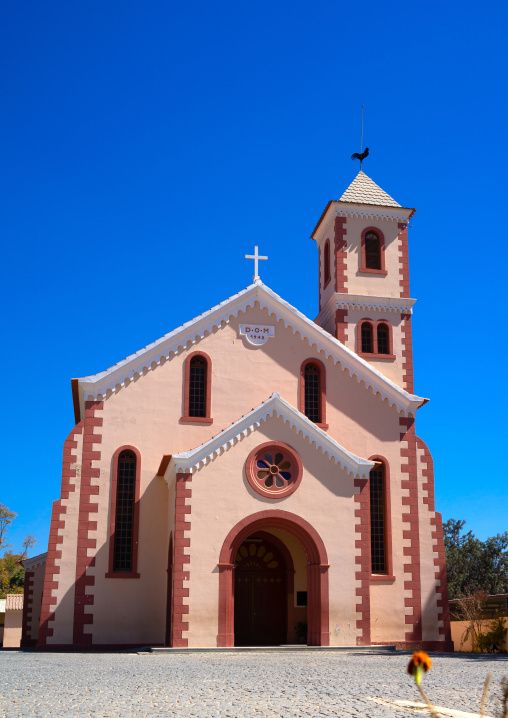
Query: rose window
[274,470]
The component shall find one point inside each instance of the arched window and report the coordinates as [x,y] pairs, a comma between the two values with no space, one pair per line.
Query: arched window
[383,339]
[327,263]
[124,517]
[378,519]
[372,251]
[197,388]
[367,338]
[374,339]
[313,391]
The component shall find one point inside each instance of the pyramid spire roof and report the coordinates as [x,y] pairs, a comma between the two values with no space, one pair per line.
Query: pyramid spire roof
[363,190]
[360,199]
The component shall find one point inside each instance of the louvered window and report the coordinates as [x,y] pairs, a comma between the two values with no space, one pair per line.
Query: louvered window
[372,251]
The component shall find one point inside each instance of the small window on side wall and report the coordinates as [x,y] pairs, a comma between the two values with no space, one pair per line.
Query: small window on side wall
[326,263]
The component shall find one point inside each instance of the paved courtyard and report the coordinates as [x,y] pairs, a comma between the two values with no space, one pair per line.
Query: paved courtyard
[236,685]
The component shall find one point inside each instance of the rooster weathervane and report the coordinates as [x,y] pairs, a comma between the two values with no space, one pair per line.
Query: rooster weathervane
[363,153]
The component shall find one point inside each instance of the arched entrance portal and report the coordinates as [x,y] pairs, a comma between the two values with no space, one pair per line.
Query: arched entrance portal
[317,574]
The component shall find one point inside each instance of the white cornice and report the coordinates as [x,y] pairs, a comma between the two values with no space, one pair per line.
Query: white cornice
[191,461]
[360,211]
[29,564]
[365,303]
[102,385]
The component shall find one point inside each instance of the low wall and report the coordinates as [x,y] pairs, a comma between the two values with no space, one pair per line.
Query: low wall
[458,629]
[12,629]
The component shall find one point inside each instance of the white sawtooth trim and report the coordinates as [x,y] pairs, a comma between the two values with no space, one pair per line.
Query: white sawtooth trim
[101,385]
[360,211]
[365,303]
[29,564]
[190,461]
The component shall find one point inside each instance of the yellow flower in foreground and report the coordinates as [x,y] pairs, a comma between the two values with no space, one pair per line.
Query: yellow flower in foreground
[418,665]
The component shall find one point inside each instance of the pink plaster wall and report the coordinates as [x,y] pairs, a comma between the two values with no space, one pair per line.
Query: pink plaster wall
[146,414]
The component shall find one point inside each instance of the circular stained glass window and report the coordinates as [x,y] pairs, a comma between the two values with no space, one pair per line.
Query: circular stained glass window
[274,470]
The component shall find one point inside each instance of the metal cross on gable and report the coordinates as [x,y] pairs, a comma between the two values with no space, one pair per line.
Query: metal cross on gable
[255,257]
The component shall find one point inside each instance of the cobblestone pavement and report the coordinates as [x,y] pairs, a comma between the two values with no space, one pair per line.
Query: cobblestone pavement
[235,685]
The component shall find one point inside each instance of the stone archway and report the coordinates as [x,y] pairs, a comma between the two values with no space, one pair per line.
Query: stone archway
[317,572]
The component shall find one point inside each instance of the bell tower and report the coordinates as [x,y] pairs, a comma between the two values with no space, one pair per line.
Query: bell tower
[364,298]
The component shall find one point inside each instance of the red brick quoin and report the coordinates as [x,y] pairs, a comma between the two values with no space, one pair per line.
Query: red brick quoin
[362,561]
[412,581]
[26,625]
[87,508]
[341,325]
[181,560]
[439,549]
[340,255]
[403,261]
[57,523]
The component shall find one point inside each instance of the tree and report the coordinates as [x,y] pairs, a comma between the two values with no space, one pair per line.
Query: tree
[473,564]
[12,574]
[6,519]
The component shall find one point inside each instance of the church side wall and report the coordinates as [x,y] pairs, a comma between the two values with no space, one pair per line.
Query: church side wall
[132,611]
[57,609]
[430,611]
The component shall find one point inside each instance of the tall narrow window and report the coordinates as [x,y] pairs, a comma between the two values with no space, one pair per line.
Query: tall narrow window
[312,393]
[124,518]
[197,386]
[383,339]
[197,393]
[372,251]
[327,262]
[378,519]
[367,338]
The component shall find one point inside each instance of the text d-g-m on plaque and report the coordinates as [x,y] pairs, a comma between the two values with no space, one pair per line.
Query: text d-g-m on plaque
[257,334]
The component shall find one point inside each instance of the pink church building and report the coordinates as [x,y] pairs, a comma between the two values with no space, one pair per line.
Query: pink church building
[254,477]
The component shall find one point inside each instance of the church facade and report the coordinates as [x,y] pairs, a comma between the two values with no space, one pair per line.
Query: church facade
[254,477]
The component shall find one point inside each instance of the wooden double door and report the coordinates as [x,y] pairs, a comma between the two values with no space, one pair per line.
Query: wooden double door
[260,594]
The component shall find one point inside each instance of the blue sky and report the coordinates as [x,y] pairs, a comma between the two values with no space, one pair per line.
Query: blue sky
[148,147]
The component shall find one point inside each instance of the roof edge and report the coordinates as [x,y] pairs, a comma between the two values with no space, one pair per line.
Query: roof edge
[193,460]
